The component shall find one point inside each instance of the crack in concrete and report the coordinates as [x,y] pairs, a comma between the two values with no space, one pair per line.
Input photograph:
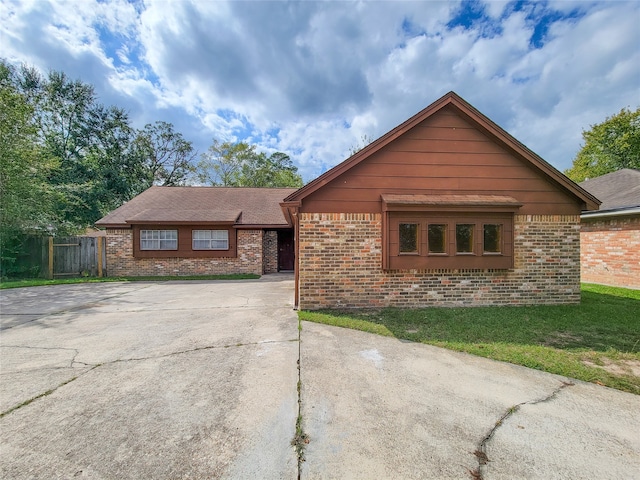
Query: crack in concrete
[155,309]
[45,394]
[300,438]
[28,347]
[481,452]
[197,349]
[93,366]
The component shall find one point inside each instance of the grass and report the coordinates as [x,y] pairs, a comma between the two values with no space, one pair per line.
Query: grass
[35,282]
[597,341]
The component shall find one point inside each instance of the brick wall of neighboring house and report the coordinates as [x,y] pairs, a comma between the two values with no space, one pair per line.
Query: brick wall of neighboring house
[611,251]
[341,266]
[121,262]
[270,251]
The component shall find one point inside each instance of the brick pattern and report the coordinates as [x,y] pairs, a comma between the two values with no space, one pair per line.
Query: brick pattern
[121,262]
[270,251]
[611,251]
[341,267]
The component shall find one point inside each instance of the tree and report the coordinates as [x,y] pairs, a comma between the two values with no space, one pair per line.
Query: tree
[364,141]
[239,165]
[222,163]
[97,168]
[167,158]
[276,170]
[608,146]
[26,199]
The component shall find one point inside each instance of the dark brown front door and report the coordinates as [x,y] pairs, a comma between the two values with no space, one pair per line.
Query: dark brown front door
[286,251]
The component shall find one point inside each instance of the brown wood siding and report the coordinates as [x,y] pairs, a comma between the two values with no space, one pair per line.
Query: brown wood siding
[184,242]
[444,154]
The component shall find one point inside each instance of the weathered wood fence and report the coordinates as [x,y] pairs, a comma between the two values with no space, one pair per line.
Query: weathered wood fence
[60,257]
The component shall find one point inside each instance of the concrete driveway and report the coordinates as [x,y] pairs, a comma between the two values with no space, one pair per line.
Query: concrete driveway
[164,380]
[199,380]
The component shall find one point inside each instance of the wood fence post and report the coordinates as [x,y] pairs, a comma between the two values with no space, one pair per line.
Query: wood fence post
[50,258]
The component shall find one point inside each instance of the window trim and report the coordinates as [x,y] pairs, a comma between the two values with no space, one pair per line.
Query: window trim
[159,232]
[446,240]
[451,258]
[500,240]
[448,209]
[211,240]
[185,245]
[473,238]
[417,251]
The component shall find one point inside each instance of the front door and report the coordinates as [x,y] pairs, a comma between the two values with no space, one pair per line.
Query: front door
[286,251]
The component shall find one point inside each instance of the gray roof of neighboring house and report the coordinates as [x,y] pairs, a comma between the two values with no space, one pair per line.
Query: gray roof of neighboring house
[241,206]
[616,190]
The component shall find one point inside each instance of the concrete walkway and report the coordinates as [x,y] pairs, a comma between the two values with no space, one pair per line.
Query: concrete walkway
[199,380]
[377,407]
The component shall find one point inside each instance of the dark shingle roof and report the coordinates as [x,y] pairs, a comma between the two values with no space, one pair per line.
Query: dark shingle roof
[617,189]
[244,206]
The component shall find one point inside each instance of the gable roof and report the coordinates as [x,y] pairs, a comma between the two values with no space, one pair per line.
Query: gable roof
[232,205]
[481,122]
[617,189]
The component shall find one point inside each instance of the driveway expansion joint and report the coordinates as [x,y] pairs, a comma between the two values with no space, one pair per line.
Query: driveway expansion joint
[300,438]
[481,452]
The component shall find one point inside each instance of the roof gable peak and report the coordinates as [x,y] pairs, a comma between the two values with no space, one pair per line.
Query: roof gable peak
[480,121]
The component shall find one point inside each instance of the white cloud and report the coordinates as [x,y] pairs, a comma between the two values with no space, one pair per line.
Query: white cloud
[311,78]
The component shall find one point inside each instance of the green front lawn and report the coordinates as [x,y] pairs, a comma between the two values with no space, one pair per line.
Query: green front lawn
[597,341]
[35,282]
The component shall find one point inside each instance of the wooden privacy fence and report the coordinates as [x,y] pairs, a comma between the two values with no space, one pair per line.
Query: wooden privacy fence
[76,257]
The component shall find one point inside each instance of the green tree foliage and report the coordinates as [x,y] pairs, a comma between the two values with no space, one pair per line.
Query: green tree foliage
[364,141]
[167,158]
[222,163]
[277,170]
[239,165]
[608,146]
[97,168]
[27,201]
[103,161]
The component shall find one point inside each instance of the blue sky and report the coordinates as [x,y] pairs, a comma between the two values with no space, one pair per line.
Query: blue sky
[312,78]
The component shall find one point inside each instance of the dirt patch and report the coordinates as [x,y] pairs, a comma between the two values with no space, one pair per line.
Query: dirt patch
[617,367]
[561,339]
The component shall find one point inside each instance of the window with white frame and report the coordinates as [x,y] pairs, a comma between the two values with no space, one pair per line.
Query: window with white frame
[158,239]
[210,240]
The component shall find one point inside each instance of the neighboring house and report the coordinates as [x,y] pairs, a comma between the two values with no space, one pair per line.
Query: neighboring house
[610,238]
[198,231]
[445,209]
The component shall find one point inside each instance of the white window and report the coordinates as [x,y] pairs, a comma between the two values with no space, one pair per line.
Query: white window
[210,239]
[158,239]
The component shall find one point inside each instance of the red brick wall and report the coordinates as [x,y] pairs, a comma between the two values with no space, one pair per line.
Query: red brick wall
[270,251]
[121,262]
[611,251]
[341,267]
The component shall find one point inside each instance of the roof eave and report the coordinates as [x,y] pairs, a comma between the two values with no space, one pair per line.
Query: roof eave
[589,202]
[113,225]
[263,226]
[613,212]
[368,150]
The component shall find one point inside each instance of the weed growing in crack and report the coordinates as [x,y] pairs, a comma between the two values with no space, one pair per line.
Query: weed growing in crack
[33,399]
[300,439]
[475,474]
